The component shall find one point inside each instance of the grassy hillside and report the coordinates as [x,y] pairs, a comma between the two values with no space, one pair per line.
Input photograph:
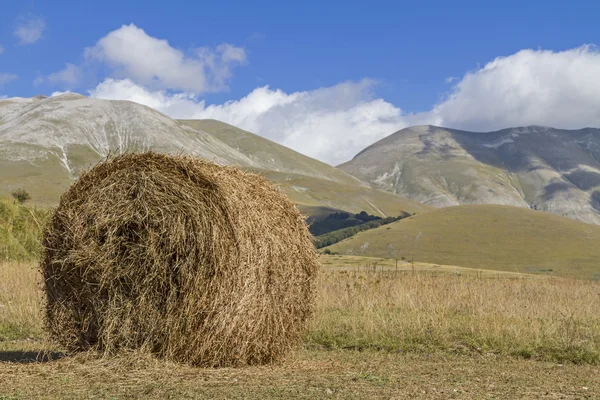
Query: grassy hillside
[47,178]
[268,154]
[313,194]
[316,187]
[315,197]
[488,237]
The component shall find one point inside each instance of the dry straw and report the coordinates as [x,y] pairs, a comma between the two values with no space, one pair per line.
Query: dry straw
[192,261]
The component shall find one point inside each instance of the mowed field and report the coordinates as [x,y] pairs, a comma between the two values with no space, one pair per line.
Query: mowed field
[431,331]
[486,237]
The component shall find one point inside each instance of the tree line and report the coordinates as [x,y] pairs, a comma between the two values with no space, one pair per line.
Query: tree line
[330,238]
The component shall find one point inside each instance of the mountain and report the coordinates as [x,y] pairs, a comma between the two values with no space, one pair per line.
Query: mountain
[543,168]
[45,143]
[265,154]
[319,197]
[486,237]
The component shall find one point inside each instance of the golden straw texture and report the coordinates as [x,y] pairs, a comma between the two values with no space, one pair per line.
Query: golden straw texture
[186,259]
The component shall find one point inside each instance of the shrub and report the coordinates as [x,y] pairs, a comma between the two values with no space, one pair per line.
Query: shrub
[21,195]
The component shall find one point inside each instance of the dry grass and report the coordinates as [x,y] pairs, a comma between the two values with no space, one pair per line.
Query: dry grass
[309,375]
[180,257]
[549,319]
[417,313]
[436,319]
[20,301]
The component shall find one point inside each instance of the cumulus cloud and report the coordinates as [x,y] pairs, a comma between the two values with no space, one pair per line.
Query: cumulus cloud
[330,124]
[176,105]
[559,89]
[29,29]
[59,93]
[69,76]
[6,78]
[133,54]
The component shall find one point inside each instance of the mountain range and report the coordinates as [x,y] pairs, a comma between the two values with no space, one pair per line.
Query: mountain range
[497,179]
[535,167]
[46,142]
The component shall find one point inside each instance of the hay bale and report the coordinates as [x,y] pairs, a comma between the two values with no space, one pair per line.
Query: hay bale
[192,261]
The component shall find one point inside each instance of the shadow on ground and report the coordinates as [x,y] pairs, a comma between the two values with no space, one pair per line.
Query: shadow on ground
[28,357]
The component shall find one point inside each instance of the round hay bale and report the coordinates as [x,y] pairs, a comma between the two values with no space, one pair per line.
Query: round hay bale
[192,261]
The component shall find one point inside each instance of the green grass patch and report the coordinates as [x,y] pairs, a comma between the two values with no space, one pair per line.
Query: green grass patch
[20,230]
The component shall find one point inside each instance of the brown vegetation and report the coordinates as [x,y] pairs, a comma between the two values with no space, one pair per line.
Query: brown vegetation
[542,318]
[440,335]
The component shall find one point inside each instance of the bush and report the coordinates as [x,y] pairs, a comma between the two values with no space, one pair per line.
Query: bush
[21,195]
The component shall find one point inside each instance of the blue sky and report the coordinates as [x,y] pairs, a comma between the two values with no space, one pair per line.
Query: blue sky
[397,60]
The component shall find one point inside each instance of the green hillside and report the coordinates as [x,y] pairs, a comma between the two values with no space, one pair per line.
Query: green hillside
[318,188]
[488,237]
[267,154]
[313,194]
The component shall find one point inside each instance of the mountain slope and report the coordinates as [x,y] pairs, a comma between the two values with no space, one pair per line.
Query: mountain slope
[487,237]
[269,155]
[549,169]
[309,192]
[45,143]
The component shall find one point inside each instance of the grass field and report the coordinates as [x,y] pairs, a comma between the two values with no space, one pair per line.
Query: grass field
[378,332]
[489,237]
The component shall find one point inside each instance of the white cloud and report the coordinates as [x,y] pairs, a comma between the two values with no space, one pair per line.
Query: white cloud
[330,124]
[39,79]
[58,93]
[177,105]
[29,30]
[153,62]
[69,76]
[560,89]
[450,79]
[6,78]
